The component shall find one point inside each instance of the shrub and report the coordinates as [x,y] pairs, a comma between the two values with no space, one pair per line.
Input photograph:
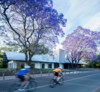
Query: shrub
[94,64]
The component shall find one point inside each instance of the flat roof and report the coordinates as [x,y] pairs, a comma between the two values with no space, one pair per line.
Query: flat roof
[8,56]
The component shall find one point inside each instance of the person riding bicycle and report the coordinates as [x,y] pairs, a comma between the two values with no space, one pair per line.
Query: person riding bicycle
[20,74]
[57,73]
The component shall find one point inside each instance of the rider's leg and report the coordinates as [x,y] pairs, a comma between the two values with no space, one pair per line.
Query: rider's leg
[57,77]
[23,80]
[23,83]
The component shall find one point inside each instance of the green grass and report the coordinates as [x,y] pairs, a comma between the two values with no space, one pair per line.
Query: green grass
[4,70]
[98,90]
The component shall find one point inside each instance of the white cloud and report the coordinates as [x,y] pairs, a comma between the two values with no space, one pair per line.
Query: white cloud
[59,46]
[56,51]
[93,23]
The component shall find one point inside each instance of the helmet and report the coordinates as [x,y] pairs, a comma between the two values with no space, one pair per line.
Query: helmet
[60,67]
[27,66]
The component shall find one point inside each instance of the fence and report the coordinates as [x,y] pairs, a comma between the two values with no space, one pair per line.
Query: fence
[41,74]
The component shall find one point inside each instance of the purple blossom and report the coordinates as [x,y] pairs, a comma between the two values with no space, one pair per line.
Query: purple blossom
[48,22]
[81,40]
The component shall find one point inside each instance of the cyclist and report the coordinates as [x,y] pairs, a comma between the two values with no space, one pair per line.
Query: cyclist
[57,73]
[23,79]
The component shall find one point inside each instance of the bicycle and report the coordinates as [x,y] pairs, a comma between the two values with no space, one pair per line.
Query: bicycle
[53,82]
[30,86]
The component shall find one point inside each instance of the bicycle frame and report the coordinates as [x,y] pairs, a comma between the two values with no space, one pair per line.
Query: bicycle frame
[27,83]
[54,82]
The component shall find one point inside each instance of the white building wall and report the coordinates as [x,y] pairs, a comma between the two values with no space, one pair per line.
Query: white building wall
[52,65]
[61,65]
[38,65]
[12,64]
[8,65]
[61,55]
[46,66]
[15,65]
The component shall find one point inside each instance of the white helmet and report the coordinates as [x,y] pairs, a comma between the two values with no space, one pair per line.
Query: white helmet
[60,67]
[27,66]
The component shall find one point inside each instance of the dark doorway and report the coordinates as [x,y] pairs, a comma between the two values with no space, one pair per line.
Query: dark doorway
[43,66]
[67,66]
[49,65]
[56,65]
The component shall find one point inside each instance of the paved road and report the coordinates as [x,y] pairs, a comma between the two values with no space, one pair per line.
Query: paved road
[82,82]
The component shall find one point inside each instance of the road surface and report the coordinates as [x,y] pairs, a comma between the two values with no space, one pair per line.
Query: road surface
[81,82]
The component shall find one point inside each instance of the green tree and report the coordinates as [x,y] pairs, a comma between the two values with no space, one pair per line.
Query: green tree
[2,50]
[1,64]
[41,49]
[94,64]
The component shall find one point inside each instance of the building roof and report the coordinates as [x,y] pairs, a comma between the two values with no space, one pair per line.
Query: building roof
[8,56]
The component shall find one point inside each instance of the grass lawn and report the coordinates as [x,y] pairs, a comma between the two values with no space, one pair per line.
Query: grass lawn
[98,90]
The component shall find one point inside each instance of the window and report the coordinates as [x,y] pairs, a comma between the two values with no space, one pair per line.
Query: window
[49,65]
[43,66]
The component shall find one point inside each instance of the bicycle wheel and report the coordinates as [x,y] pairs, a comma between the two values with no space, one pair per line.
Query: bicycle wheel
[14,88]
[61,81]
[52,83]
[32,86]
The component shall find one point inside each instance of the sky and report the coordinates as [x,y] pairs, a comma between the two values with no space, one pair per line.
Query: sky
[85,13]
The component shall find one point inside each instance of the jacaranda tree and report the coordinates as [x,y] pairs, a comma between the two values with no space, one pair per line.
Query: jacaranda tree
[32,23]
[81,43]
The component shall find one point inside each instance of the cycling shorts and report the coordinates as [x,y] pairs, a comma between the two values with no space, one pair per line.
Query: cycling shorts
[56,74]
[21,77]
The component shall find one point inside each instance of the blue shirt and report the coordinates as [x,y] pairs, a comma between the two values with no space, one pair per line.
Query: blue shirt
[22,71]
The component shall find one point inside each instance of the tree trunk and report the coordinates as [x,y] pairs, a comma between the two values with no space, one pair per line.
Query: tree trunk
[30,59]
[77,62]
[29,63]
[26,57]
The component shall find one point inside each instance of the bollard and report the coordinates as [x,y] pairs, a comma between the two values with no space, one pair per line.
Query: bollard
[41,73]
[3,76]
[48,73]
[32,74]
[14,74]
